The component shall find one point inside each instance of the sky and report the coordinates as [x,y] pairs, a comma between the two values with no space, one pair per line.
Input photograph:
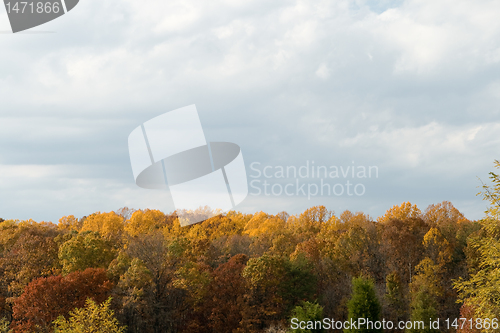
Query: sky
[409,87]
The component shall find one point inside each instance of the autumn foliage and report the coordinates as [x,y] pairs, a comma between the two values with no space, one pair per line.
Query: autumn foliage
[44,299]
[235,272]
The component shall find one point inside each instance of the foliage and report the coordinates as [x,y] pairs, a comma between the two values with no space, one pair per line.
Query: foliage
[32,255]
[426,288]
[85,250]
[69,223]
[363,304]
[44,299]
[307,311]
[394,297]
[403,245]
[468,312]
[4,325]
[405,211]
[482,289]
[95,318]
[142,222]
[423,307]
[109,225]
[242,273]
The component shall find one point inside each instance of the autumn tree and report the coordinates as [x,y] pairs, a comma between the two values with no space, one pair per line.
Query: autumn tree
[44,299]
[4,325]
[133,287]
[95,318]
[275,285]
[86,250]
[402,245]
[445,217]
[404,211]
[395,302]
[33,254]
[482,289]
[310,222]
[144,221]
[264,229]
[222,225]
[238,272]
[357,247]
[109,225]
[455,229]
[221,309]
[151,302]
[69,223]
[467,312]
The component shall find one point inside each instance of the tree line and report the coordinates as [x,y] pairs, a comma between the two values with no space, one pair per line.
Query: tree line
[140,271]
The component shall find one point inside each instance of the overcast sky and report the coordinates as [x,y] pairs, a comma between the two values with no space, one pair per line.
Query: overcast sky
[411,87]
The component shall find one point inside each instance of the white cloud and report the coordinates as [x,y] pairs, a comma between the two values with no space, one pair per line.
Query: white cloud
[432,35]
[412,86]
[323,72]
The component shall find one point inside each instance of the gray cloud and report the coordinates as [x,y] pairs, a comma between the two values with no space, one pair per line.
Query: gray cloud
[409,86]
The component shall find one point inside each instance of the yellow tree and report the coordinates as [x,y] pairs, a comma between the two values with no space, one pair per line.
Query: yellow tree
[109,225]
[438,248]
[439,254]
[96,318]
[144,221]
[404,211]
[69,223]
[310,222]
[482,289]
[443,214]
[262,223]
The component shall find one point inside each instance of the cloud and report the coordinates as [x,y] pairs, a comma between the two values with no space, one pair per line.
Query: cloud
[408,85]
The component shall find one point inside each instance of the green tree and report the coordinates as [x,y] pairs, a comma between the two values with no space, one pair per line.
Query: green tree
[363,304]
[309,313]
[93,318]
[423,307]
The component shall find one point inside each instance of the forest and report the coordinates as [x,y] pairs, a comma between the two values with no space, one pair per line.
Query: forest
[140,271]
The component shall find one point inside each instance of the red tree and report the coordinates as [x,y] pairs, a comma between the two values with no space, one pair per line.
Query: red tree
[221,310]
[44,299]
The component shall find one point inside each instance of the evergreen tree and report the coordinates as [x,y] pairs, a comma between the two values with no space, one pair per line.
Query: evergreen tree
[363,304]
[308,312]
[423,309]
